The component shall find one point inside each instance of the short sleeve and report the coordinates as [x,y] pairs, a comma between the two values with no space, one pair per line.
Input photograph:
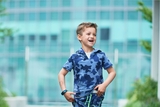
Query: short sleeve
[106,62]
[69,64]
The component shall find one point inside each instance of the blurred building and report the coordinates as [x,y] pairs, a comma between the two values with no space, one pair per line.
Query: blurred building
[48,27]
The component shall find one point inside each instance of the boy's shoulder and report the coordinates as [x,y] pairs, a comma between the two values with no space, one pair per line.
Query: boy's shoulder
[98,51]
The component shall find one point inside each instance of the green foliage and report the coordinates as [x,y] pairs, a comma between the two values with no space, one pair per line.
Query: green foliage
[144,94]
[147,15]
[146,45]
[2,8]
[2,95]
[3,30]
[3,33]
[146,12]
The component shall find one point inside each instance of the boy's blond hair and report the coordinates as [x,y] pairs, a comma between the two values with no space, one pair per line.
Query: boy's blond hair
[84,25]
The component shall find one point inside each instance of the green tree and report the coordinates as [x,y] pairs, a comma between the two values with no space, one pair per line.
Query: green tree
[144,93]
[147,15]
[3,94]
[4,31]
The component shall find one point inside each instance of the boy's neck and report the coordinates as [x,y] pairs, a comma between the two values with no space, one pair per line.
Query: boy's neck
[87,50]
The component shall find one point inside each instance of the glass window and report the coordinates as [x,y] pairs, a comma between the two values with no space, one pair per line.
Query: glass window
[132,41]
[65,36]
[3,2]
[32,3]
[132,45]
[147,2]
[105,15]
[42,37]
[12,17]
[32,16]
[132,15]
[78,3]
[21,4]
[66,15]
[12,4]
[105,2]
[11,40]
[3,18]
[42,42]
[41,91]
[55,3]
[54,16]
[66,3]
[91,2]
[118,45]
[31,37]
[118,2]
[53,42]
[132,3]
[21,37]
[79,15]
[91,15]
[118,15]
[65,47]
[42,16]
[105,33]
[21,17]
[53,37]
[20,60]
[43,3]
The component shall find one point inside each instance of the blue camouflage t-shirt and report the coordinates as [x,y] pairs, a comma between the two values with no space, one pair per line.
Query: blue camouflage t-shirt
[87,71]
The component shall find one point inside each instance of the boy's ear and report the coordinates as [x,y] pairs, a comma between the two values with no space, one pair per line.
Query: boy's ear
[79,37]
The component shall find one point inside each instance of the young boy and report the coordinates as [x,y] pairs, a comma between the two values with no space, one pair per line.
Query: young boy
[87,64]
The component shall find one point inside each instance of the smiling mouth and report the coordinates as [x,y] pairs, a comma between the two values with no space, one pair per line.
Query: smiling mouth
[91,40]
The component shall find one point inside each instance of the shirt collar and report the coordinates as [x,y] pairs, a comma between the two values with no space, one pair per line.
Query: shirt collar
[81,51]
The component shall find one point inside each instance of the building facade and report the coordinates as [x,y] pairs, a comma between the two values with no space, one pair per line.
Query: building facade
[48,29]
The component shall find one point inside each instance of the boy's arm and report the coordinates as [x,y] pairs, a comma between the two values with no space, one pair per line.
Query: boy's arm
[111,76]
[102,87]
[61,79]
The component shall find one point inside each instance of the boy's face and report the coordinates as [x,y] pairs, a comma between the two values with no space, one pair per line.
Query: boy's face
[88,37]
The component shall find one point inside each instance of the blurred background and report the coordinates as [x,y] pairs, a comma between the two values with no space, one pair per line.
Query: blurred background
[42,35]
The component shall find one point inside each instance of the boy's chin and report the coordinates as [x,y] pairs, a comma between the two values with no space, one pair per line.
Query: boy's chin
[91,46]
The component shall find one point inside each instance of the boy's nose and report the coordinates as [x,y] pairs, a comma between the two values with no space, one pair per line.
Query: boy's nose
[91,35]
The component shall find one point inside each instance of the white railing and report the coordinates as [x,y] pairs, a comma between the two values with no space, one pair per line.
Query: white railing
[18,101]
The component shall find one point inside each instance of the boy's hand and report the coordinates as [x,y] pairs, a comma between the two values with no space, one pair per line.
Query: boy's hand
[68,96]
[100,89]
